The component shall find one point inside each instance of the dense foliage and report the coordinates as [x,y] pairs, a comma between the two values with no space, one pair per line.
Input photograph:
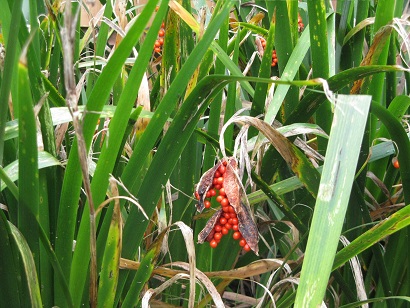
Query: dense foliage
[204,153]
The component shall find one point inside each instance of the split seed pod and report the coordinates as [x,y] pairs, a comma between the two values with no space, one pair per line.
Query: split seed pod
[208,232]
[204,185]
[237,199]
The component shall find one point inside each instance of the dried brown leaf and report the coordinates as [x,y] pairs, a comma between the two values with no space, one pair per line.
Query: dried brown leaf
[253,269]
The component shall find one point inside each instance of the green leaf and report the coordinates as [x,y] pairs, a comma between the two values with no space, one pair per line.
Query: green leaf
[144,272]
[10,64]
[333,197]
[28,210]
[10,293]
[45,160]
[28,266]
[394,223]
[111,260]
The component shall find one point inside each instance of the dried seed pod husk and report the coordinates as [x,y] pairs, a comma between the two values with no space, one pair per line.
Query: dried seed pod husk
[209,228]
[248,228]
[204,185]
[237,198]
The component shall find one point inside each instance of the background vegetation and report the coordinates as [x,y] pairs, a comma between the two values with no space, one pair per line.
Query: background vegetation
[103,138]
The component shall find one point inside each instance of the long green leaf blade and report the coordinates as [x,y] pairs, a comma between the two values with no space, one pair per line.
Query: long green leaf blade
[334,192]
[29,268]
[28,211]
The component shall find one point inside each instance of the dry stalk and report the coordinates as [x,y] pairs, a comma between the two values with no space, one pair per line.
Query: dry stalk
[68,37]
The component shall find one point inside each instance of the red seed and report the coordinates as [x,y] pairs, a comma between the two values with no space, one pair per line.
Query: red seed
[218,187]
[234,221]
[227,216]
[222,220]
[235,227]
[225,202]
[207,204]
[222,192]
[197,195]
[232,215]
[157,49]
[236,235]
[228,226]
[224,163]
[157,44]
[218,228]
[231,209]
[212,192]
[246,248]
[242,243]
[217,236]
[230,220]
[219,198]
[222,169]
[161,33]
[217,174]
[208,194]
[395,163]
[225,209]
[225,231]
[220,181]
[213,244]
[161,41]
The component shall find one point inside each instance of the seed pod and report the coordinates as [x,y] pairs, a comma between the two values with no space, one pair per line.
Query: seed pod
[204,185]
[205,234]
[237,198]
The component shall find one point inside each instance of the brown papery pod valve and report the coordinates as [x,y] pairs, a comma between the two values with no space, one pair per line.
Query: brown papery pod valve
[204,185]
[237,198]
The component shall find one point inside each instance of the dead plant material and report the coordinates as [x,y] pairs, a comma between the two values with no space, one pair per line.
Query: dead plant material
[253,269]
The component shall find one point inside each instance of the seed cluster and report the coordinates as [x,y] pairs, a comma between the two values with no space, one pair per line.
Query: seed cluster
[228,219]
[160,40]
[301,26]
[274,57]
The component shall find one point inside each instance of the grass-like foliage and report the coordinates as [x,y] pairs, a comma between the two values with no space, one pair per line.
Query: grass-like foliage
[173,153]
